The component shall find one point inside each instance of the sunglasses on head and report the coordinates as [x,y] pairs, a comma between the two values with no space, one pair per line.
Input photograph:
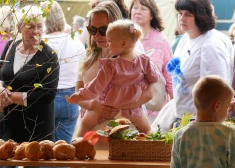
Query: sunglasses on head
[93,30]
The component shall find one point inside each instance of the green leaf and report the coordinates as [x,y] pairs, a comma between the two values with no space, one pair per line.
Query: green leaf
[44,15]
[102,133]
[35,19]
[72,35]
[39,47]
[35,1]
[36,37]
[37,85]
[130,134]
[38,65]
[117,135]
[4,38]
[112,123]
[49,70]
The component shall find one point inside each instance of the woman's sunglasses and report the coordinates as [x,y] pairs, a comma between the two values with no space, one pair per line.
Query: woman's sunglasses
[93,30]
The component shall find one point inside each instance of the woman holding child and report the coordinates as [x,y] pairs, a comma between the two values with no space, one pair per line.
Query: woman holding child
[103,14]
[201,51]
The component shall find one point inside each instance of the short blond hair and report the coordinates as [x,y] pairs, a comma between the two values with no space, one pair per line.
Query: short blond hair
[7,19]
[56,19]
[126,29]
[209,89]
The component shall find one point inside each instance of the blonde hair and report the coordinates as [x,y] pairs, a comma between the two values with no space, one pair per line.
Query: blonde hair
[231,30]
[124,28]
[7,19]
[94,52]
[209,89]
[56,19]
[30,12]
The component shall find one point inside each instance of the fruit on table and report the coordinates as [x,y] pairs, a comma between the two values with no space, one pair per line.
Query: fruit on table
[64,151]
[33,151]
[20,151]
[83,149]
[47,150]
[6,150]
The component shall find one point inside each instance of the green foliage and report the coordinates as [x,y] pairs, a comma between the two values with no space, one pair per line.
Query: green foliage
[37,85]
[49,70]
[72,35]
[125,135]
[155,136]
[4,38]
[185,120]
[112,124]
[39,47]
[130,134]
[102,133]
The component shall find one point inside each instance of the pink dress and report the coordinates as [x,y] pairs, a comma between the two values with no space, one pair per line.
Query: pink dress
[121,82]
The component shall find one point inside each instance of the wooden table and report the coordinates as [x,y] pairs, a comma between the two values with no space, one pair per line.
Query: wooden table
[101,161]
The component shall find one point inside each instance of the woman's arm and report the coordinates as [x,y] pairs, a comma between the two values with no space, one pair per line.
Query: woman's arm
[145,97]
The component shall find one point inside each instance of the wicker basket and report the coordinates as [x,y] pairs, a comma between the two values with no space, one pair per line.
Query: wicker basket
[139,150]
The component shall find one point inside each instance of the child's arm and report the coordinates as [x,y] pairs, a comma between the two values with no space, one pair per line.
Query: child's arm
[146,96]
[95,87]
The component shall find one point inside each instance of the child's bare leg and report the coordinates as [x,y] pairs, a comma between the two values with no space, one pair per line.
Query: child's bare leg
[141,123]
[89,120]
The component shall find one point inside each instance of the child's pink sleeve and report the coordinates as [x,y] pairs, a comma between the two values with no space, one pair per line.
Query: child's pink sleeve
[99,83]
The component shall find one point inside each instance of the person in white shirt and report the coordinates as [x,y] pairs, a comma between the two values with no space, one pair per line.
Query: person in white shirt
[69,52]
[201,51]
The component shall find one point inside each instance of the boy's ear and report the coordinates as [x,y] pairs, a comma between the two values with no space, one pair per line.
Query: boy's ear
[216,106]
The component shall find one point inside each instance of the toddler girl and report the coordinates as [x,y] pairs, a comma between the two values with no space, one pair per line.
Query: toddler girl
[122,78]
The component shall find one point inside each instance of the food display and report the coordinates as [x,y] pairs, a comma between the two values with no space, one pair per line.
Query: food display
[126,144]
[47,150]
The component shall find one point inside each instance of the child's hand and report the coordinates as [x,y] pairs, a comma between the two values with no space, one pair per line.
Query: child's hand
[68,99]
[74,98]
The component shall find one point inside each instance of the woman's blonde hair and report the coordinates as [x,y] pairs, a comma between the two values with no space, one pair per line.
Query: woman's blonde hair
[56,19]
[7,19]
[94,52]
[126,29]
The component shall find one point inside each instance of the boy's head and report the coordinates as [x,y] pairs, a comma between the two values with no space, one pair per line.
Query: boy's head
[212,97]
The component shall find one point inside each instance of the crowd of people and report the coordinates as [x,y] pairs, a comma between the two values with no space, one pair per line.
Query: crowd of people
[109,69]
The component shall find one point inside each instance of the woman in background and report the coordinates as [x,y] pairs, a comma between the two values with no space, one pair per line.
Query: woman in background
[7,28]
[69,51]
[201,51]
[146,14]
